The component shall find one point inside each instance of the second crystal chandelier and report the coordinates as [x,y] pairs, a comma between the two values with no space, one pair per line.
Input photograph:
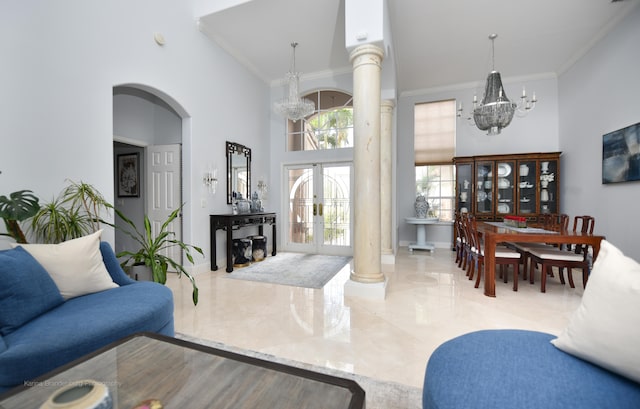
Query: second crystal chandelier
[496,111]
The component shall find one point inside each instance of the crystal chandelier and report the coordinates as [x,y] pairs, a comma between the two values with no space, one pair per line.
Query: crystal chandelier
[294,107]
[495,111]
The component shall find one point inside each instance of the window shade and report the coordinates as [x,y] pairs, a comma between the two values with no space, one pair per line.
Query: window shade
[434,132]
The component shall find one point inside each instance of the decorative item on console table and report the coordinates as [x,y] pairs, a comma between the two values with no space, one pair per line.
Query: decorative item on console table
[422,207]
[244,206]
[256,203]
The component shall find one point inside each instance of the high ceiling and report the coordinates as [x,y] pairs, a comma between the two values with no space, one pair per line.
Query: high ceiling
[435,43]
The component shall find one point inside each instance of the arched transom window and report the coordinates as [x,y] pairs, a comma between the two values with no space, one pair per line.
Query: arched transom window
[330,126]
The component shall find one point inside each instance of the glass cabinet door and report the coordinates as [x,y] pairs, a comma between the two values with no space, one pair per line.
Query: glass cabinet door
[505,187]
[484,188]
[464,189]
[527,186]
[548,186]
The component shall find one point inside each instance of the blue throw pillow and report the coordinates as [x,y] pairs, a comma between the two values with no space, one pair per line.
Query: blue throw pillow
[26,289]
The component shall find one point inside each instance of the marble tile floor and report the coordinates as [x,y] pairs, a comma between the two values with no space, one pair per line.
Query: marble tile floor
[429,300]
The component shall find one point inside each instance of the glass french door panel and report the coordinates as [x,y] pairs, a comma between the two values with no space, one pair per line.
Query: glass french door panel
[301,195]
[336,212]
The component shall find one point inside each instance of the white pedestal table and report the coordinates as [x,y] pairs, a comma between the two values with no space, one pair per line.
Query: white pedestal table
[421,232]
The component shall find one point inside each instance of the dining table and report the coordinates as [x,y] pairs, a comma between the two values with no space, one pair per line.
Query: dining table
[494,233]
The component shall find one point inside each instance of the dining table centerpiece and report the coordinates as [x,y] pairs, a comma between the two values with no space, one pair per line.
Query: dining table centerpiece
[515,221]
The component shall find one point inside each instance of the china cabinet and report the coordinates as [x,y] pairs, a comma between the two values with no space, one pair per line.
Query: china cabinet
[493,186]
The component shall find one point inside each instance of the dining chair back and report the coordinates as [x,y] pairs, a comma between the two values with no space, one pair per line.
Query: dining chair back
[460,239]
[504,257]
[578,257]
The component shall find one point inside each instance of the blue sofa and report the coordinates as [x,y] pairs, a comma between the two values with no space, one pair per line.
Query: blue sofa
[83,324]
[519,369]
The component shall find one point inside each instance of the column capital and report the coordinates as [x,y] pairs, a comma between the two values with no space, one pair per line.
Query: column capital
[387,104]
[366,54]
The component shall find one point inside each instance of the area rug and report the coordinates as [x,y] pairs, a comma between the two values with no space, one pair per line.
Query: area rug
[294,269]
[378,394]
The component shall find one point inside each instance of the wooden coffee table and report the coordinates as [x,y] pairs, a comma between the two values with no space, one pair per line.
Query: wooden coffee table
[182,374]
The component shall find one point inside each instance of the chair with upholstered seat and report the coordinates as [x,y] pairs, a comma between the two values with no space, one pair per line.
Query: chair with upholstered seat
[557,222]
[576,257]
[504,257]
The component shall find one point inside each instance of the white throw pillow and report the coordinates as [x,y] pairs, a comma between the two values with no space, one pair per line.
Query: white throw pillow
[605,328]
[75,266]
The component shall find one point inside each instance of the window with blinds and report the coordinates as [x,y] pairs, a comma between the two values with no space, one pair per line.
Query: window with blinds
[435,132]
[434,143]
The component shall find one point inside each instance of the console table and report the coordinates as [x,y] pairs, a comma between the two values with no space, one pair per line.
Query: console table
[231,222]
[421,232]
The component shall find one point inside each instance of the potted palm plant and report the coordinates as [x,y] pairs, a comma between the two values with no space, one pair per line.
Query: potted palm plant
[74,213]
[153,247]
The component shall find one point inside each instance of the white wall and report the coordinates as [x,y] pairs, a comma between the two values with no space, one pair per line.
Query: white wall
[61,61]
[537,132]
[598,95]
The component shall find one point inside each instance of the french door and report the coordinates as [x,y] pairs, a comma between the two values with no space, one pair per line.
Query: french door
[319,213]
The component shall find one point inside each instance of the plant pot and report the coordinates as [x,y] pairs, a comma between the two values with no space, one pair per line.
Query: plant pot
[140,272]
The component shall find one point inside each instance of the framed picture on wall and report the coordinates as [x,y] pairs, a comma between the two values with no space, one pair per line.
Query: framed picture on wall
[621,155]
[129,175]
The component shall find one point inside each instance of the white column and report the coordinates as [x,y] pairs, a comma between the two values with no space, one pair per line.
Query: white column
[366,60]
[386,124]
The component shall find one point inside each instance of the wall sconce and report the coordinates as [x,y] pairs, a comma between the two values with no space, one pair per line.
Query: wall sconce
[262,187]
[210,180]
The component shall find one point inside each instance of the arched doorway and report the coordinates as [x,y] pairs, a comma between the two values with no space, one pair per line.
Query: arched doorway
[149,129]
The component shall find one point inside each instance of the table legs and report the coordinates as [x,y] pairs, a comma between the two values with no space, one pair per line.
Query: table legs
[212,248]
[490,266]
[275,240]
[229,249]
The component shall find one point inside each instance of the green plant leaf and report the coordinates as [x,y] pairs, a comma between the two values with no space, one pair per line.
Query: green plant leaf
[19,206]
[152,248]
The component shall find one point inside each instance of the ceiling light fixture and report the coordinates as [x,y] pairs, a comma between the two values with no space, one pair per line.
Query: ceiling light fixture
[293,107]
[495,111]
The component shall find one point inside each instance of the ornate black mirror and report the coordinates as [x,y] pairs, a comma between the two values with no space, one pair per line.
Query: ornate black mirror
[238,171]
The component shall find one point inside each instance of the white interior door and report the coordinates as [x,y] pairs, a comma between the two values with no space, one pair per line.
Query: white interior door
[318,198]
[164,181]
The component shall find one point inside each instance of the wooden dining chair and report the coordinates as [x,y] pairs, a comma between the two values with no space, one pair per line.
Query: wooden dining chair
[460,239]
[583,224]
[577,257]
[556,222]
[504,257]
[465,262]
